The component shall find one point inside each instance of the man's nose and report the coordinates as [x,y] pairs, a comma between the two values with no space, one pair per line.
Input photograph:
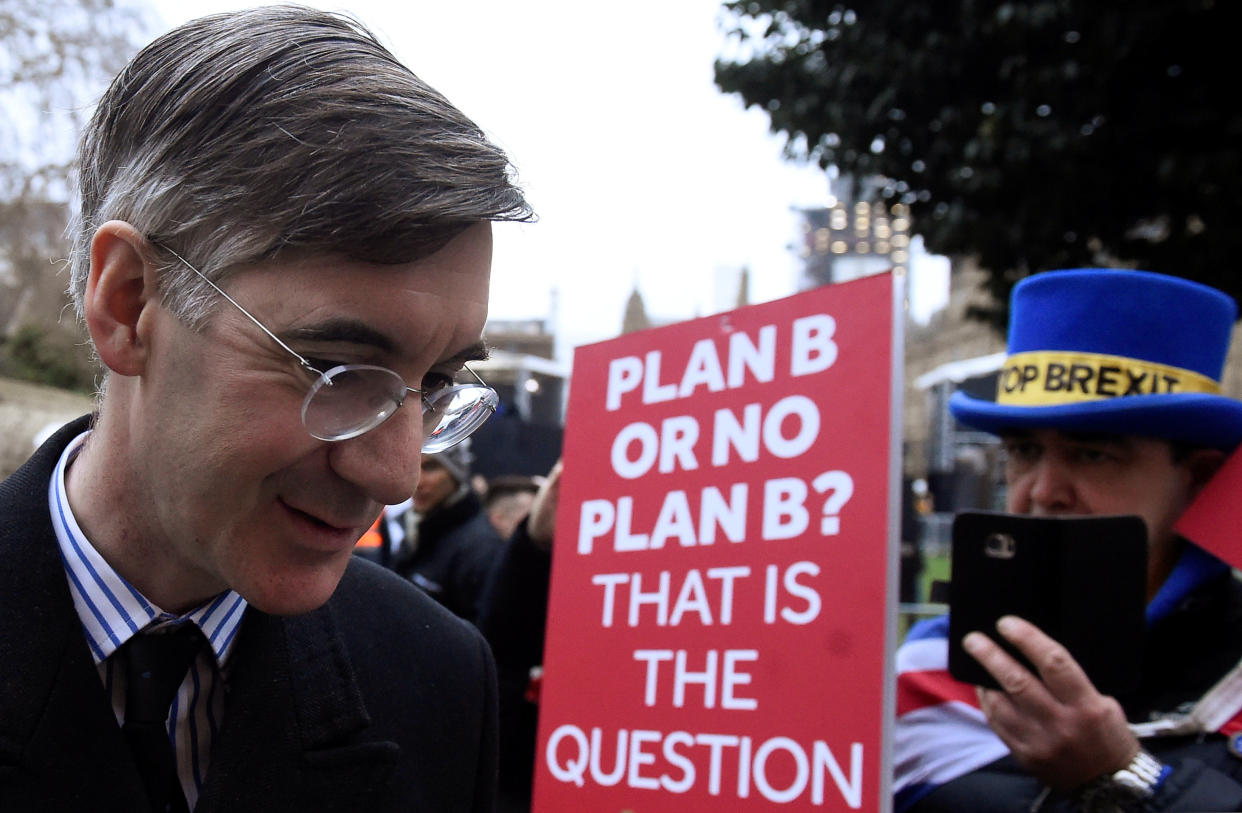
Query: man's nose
[384,462]
[1051,489]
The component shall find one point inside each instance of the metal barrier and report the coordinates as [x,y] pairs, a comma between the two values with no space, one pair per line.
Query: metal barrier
[922,609]
[908,613]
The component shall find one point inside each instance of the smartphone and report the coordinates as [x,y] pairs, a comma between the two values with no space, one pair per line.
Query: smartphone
[1082,580]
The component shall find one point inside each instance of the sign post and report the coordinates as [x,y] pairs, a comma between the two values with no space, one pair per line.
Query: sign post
[723,589]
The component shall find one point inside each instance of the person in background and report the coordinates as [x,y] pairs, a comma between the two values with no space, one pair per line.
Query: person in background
[449,546]
[911,548]
[1109,403]
[282,259]
[507,501]
[513,616]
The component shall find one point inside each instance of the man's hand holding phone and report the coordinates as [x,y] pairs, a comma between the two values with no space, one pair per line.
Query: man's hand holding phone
[1055,723]
[1046,617]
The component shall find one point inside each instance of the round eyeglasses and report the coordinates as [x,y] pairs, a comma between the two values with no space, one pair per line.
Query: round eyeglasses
[348,400]
[351,399]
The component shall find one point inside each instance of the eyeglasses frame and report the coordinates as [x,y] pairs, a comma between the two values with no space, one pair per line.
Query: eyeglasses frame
[310,368]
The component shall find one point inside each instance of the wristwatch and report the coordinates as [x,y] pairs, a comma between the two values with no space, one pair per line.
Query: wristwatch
[1142,776]
[1127,789]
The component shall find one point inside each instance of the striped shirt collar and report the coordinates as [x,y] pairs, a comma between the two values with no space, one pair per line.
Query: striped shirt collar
[110,608]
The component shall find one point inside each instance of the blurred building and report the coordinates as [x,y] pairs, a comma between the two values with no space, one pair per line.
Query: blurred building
[852,238]
[531,337]
[524,437]
[635,316]
[951,351]
[522,369]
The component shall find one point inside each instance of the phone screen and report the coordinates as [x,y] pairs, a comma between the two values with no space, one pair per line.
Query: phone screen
[1082,580]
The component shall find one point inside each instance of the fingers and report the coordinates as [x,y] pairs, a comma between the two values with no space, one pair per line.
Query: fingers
[1058,676]
[541,524]
[1060,673]
[1014,679]
[1053,721]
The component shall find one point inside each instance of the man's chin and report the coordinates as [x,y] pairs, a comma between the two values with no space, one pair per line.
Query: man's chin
[296,593]
[287,609]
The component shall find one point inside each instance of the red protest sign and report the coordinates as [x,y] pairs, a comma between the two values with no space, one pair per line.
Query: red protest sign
[719,628]
[1213,518]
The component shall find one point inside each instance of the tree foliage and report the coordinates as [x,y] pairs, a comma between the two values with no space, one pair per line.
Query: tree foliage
[1031,135]
[56,58]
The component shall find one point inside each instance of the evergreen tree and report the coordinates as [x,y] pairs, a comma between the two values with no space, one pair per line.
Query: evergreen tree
[1031,135]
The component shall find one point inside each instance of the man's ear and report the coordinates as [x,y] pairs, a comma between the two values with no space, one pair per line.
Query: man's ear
[1202,464]
[120,285]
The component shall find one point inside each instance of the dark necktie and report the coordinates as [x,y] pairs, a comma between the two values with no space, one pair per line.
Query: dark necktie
[156,665]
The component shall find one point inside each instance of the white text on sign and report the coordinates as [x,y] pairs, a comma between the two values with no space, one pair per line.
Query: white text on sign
[811,342]
[783,510]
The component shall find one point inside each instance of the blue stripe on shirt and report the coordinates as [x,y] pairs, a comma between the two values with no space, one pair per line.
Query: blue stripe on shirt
[107,601]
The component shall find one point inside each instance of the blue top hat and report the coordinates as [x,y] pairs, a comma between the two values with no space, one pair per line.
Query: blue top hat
[1117,352]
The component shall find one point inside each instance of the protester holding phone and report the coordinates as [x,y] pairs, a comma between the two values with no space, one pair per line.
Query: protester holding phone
[1109,404]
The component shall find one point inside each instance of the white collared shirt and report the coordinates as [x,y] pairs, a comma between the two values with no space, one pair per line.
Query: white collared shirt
[112,611]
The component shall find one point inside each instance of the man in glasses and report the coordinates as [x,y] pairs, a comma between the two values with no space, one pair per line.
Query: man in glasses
[282,260]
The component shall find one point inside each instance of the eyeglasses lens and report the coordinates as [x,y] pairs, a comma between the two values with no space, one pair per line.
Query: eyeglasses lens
[454,413]
[347,401]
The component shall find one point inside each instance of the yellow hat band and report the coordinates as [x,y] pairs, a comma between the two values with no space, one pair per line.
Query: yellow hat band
[1046,378]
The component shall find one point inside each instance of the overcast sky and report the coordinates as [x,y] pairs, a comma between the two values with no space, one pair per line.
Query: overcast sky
[641,171]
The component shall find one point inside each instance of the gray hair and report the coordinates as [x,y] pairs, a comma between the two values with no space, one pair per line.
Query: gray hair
[239,136]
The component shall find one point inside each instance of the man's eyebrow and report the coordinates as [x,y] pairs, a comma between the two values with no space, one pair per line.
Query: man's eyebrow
[1109,438]
[352,331]
[348,331]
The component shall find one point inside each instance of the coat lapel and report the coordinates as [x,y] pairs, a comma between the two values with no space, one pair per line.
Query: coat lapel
[59,740]
[293,734]
[77,747]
